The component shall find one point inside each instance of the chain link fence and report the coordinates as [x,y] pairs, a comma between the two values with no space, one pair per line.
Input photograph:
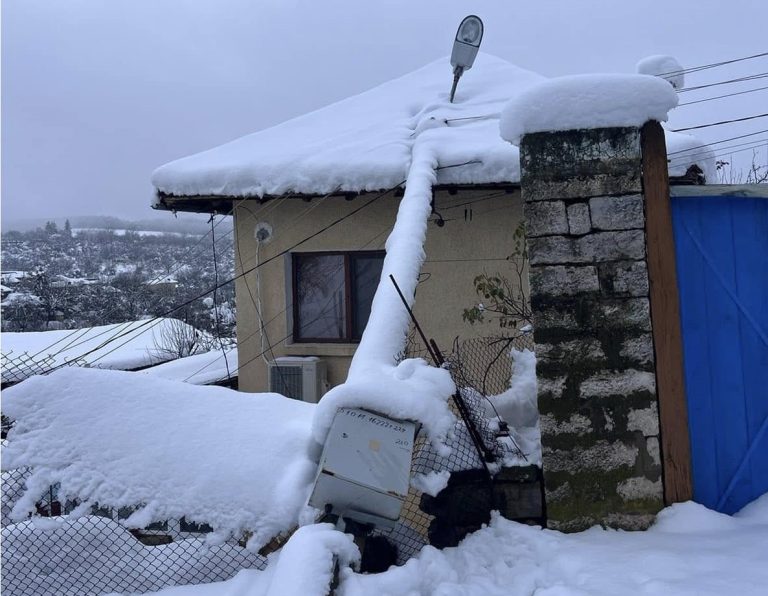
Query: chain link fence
[16,368]
[95,554]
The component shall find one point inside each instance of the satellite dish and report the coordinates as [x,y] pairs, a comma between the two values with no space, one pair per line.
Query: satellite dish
[465,47]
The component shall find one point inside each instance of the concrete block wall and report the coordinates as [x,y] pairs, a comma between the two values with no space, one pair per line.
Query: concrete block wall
[585,222]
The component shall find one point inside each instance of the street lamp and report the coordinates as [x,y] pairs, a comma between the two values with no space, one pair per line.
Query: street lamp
[465,46]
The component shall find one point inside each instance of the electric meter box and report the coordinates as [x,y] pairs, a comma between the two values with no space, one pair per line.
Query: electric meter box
[365,466]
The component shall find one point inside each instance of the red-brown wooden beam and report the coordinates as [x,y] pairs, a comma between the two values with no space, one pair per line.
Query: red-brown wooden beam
[665,317]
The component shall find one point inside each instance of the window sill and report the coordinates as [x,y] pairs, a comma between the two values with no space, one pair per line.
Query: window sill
[319,349]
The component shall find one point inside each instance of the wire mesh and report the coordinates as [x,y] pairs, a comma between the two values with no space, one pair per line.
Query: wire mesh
[480,367]
[22,366]
[95,554]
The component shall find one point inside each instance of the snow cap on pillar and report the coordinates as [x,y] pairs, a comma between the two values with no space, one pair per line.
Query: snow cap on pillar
[587,102]
[665,67]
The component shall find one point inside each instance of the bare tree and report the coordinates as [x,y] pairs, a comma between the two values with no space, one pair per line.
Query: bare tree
[176,339]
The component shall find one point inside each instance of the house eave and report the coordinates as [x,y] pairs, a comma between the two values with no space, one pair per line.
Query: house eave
[225,204]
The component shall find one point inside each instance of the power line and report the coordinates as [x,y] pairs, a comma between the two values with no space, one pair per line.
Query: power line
[154,322]
[113,309]
[698,148]
[688,103]
[712,65]
[215,296]
[721,122]
[748,145]
[761,75]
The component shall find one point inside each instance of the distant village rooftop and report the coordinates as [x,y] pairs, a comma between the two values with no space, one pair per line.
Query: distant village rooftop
[364,143]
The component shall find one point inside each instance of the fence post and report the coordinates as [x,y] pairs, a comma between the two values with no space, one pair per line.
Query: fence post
[665,315]
[585,221]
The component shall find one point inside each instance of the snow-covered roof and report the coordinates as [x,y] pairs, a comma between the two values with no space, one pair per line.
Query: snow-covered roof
[200,369]
[135,344]
[364,143]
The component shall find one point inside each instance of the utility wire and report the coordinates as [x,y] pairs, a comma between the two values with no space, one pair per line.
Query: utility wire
[760,75]
[712,65]
[688,103]
[153,322]
[699,147]
[215,296]
[748,145]
[721,122]
[111,311]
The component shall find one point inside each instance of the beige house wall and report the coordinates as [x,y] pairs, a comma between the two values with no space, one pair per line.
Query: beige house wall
[457,252]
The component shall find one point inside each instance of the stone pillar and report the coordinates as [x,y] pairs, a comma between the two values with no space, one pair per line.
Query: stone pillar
[585,220]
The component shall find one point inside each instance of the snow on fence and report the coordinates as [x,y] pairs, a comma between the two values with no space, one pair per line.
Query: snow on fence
[96,553]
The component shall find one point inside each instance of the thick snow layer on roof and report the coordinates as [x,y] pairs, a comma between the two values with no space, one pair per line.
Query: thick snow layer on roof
[200,369]
[233,460]
[690,551]
[364,142]
[587,101]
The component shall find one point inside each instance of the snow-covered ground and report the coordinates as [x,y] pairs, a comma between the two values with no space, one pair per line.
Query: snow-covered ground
[690,551]
[137,344]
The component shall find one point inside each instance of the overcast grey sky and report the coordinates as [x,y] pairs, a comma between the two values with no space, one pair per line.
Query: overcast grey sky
[98,93]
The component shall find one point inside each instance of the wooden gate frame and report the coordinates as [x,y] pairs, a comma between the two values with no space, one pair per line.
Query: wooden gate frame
[665,318]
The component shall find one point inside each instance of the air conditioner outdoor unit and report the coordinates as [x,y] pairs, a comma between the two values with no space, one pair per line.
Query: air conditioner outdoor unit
[302,378]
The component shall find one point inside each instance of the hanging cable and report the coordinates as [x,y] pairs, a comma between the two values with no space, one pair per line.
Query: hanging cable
[712,65]
[699,147]
[153,322]
[721,122]
[688,103]
[754,77]
[216,313]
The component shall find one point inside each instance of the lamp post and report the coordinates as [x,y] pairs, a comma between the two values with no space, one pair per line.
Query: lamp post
[465,46]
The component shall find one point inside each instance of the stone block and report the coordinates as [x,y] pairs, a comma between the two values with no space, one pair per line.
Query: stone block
[598,247]
[571,351]
[577,424]
[631,521]
[639,488]
[578,219]
[624,278]
[646,420]
[603,456]
[617,213]
[638,349]
[562,280]
[553,318]
[580,163]
[652,446]
[618,383]
[551,387]
[629,313]
[545,218]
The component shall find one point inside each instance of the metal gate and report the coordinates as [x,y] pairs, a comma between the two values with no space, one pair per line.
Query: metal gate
[721,244]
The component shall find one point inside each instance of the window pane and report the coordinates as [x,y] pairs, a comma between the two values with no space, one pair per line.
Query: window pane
[365,273]
[320,297]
